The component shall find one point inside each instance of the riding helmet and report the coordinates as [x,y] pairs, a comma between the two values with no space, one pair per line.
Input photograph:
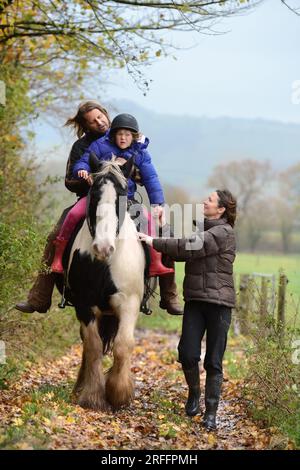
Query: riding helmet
[124,121]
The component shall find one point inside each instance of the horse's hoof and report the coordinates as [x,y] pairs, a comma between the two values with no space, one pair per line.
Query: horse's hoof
[123,400]
[93,403]
[77,390]
[119,394]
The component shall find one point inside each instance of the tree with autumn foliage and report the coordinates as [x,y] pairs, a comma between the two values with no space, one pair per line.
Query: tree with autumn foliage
[59,43]
[248,180]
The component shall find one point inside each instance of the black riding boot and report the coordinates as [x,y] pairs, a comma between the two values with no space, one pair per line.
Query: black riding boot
[193,381]
[213,387]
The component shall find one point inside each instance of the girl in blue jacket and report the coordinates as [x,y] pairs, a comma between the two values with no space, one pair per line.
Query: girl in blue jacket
[115,143]
[121,141]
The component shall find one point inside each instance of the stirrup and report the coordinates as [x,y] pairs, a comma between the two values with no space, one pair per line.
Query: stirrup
[63,301]
[144,308]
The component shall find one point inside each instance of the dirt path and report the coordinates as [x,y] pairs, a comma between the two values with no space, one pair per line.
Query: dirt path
[37,412]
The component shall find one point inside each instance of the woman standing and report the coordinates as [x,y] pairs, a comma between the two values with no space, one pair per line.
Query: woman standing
[209,296]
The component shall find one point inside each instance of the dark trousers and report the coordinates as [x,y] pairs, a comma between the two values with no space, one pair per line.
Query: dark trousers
[200,317]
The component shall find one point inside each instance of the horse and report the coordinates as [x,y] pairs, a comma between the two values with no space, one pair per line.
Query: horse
[105,282]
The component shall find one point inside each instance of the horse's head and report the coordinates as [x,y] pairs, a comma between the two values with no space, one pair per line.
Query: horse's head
[107,204]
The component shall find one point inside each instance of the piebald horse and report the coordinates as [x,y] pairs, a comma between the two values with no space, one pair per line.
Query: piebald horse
[105,278]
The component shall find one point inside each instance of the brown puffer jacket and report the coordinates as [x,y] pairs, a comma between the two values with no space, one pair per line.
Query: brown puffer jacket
[209,257]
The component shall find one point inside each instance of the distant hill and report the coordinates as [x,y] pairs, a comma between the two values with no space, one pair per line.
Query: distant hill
[185,149]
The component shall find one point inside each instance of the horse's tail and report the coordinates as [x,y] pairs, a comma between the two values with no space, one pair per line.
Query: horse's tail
[108,326]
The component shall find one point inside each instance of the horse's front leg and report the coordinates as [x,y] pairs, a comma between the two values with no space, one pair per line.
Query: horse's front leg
[80,377]
[90,385]
[119,383]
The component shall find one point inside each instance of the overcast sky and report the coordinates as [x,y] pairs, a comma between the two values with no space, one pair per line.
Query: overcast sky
[247,72]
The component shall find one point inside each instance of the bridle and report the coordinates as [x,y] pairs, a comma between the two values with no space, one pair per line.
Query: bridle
[91,207]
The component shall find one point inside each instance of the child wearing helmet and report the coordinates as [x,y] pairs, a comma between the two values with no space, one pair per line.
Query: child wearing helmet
[116,143]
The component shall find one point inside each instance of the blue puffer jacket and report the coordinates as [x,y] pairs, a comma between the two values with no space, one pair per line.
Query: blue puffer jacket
[104,149]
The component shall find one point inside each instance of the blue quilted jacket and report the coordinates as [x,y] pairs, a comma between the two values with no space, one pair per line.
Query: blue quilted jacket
[105,149]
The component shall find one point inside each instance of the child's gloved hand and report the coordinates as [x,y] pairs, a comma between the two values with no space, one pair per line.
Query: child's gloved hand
[145,238]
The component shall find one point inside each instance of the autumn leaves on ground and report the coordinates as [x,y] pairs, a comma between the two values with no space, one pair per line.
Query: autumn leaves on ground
[37,412]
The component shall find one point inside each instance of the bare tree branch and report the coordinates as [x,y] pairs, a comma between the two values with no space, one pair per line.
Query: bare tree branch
[294,10]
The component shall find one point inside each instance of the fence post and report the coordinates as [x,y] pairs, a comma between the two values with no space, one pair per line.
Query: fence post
[281,304]
[235,323]
[263,298]
[244,302]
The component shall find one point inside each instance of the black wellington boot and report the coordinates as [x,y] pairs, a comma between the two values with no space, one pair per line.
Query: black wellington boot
[213,387]
[192,379]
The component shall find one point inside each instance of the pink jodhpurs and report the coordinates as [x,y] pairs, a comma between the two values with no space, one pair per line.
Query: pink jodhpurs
[151,223]
[78,212]
[74,216]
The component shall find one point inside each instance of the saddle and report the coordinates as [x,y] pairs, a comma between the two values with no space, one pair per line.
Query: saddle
[66,296]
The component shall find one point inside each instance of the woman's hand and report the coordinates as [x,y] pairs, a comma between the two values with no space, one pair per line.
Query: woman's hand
[145,238]
[86,176]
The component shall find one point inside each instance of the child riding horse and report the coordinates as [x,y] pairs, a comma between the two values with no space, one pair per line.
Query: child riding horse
[122,141]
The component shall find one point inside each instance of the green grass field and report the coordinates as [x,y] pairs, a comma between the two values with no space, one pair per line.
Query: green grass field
[271,264]
[246,263]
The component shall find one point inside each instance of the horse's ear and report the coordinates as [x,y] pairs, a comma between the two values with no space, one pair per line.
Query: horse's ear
[95,163]
[127,168]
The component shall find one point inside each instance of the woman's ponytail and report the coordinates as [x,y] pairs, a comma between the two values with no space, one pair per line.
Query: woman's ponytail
[228,201]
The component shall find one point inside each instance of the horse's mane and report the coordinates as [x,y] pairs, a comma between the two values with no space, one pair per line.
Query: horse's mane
[113,168]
